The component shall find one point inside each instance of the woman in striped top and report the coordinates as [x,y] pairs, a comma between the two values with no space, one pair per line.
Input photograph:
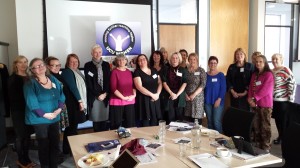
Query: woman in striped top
[284,92]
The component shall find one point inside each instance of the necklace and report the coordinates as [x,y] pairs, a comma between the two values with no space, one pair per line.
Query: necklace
[42,82]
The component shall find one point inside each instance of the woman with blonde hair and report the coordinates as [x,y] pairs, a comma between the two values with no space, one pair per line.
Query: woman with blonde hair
[238,80]
[16,98]
[196,81]
[97,75]
[284,92]
[174,81]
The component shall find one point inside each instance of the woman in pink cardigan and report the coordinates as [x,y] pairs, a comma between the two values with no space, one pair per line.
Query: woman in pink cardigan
[260,98]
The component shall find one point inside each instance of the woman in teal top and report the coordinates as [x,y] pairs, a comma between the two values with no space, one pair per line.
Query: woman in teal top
[44,101]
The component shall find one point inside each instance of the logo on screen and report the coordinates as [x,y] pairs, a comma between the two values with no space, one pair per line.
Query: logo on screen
[118,39]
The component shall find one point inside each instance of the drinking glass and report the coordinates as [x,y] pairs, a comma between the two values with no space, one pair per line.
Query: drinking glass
[182,149]
[213,134]
[162,131]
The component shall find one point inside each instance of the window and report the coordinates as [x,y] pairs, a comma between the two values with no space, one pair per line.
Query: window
[281,31]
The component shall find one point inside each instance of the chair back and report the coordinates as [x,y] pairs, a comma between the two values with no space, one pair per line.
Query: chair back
[237,122]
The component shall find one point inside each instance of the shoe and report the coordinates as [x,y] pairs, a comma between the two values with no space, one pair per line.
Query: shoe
[277,141]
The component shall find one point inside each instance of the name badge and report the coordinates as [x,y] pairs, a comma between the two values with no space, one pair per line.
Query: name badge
[242,70]
[197,73]
[154,76]
[179,74]
[214,79]
[91,74]
[258,83]
[53,85]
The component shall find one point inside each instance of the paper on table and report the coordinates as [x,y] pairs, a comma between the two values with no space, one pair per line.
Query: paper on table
[146,158]
[207,160]
[245,156]
[180,124]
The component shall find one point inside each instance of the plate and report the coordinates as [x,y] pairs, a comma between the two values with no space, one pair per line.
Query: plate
[229,155]
[82,164]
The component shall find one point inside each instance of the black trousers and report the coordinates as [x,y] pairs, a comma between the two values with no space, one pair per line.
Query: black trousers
[47,136]
[174,113]
[122,116]
[279,110]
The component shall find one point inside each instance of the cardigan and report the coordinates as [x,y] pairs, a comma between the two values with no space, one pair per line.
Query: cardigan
[261,89]
[40,100]
[93,88]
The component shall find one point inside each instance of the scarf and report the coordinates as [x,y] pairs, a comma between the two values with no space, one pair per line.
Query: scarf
[98,65]
[80,83]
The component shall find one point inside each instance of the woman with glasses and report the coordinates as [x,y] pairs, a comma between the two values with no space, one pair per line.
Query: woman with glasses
[97,75]
[75,81]
[196,81]
[17,109]
[44,102]
[238,79]
[148,85]
[214,94]
[260,99]
[174,81]
[53,64]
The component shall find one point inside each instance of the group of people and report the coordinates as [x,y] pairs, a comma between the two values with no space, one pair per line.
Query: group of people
[165,87]
[267,92]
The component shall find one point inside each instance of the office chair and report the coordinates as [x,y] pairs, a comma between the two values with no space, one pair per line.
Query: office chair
[238,122]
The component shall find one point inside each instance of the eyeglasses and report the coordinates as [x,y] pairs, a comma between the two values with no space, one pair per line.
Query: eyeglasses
[38,66]
[56,66]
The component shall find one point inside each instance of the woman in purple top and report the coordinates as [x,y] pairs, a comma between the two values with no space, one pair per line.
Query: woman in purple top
[260,99]
[122,97]
[214,94]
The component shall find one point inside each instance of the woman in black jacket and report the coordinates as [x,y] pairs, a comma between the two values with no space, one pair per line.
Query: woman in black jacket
[97,75]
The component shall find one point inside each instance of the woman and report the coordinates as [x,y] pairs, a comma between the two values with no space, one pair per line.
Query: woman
[284,92]
[214,94]
[165,56]
[174,81]
[260,98]
[54,66]
[196,81]
[148,85]
[184,55]
[97,74]
[157,62]
[238,78]
[254,55]
[16,99]
[44,102]
[76,111]
[122,99]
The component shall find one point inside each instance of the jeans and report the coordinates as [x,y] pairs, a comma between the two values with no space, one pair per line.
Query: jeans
[214,117]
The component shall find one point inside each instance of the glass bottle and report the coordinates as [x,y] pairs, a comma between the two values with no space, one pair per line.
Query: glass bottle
[196,135]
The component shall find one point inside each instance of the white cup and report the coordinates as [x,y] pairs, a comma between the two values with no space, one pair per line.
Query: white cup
[223,152]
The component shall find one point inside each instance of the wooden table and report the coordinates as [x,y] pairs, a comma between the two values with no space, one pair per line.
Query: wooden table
[169,154]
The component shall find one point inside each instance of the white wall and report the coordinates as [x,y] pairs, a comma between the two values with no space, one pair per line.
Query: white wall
[8,30]
[29,16]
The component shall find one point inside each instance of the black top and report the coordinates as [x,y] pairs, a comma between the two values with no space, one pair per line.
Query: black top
[145,107]
[16,94]
[238,78]
[150,82]
[93,88]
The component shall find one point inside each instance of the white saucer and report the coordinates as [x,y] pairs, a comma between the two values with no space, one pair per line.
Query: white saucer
[229,155]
